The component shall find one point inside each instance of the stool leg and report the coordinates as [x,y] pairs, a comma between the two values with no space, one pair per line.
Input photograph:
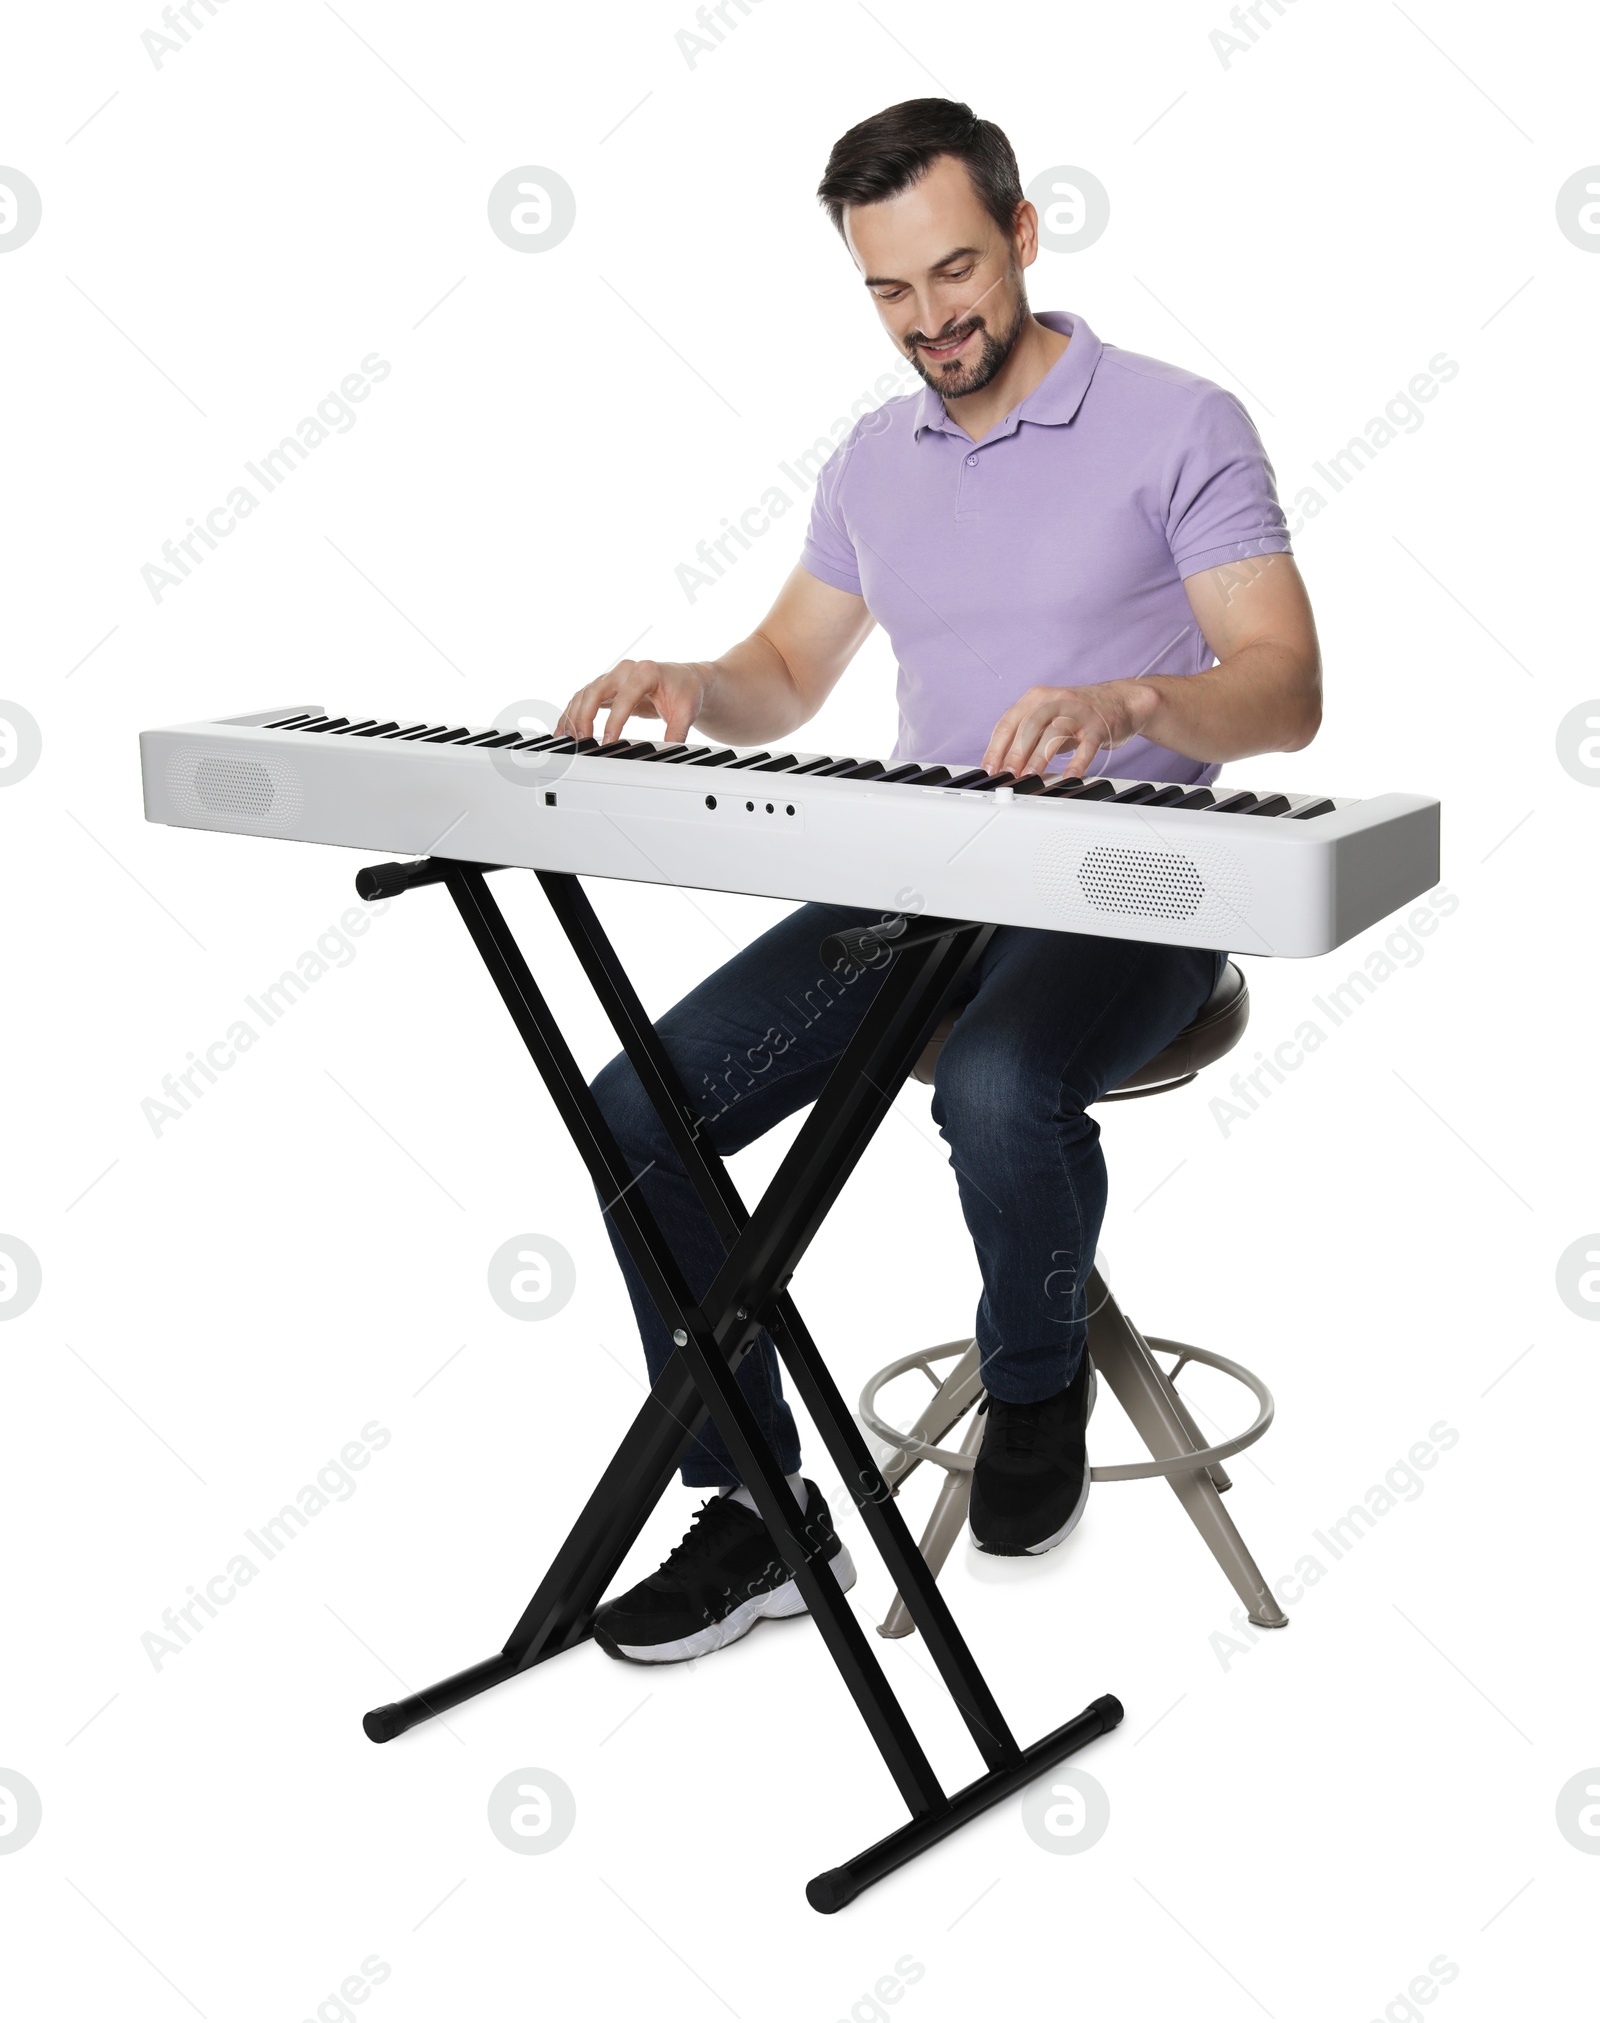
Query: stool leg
[1142,1389]
[944,1526]
[1216,1471]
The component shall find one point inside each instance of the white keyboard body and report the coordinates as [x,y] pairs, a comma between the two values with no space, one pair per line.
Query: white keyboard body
[1190,877]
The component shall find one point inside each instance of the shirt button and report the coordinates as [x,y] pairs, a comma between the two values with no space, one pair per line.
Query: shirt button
[972,460]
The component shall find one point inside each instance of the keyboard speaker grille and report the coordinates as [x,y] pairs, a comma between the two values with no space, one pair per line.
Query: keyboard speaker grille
[1082,883]
[219,788]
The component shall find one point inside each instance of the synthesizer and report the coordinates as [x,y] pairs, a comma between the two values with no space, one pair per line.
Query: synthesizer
[1253,873]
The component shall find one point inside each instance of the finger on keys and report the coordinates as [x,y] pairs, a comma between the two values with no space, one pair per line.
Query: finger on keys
[630,693]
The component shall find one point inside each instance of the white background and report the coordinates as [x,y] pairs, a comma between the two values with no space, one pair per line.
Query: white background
[1297,1829]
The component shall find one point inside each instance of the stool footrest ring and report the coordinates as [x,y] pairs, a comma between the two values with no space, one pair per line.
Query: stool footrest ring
[915,1449]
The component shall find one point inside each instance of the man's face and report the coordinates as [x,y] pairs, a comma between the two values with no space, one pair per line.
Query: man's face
[947,280]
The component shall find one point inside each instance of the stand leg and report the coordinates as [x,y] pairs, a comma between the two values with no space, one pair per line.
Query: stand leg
[1141,1387]
[943,1528]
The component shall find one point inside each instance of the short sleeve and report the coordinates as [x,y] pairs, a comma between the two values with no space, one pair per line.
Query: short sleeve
[1223,500]
[829,553]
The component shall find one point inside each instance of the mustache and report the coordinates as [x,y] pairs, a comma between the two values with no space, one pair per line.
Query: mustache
[962,329]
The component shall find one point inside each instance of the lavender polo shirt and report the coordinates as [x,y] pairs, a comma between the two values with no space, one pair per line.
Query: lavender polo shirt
[1054,550]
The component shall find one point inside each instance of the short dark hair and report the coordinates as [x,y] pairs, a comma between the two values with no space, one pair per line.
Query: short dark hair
[895,148]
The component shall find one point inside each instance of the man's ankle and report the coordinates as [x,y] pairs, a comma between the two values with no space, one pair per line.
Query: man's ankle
[741,1494]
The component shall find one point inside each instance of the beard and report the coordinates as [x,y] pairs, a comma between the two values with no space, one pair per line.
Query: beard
[952,381]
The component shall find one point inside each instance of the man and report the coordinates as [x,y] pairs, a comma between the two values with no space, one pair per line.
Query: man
[1079,557]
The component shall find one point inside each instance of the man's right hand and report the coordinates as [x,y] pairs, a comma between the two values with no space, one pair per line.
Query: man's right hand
[673,691]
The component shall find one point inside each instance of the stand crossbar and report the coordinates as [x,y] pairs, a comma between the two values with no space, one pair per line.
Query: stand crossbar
[712,1336]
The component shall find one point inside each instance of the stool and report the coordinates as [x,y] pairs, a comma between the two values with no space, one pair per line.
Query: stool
[1119,1353]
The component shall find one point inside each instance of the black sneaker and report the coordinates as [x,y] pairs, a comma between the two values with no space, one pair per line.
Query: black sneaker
[715,1585]
[1031,1480]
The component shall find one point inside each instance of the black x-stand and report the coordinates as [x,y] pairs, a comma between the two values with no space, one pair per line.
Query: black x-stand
[929,960]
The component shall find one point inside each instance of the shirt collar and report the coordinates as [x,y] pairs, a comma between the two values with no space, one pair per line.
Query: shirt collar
[1055,400]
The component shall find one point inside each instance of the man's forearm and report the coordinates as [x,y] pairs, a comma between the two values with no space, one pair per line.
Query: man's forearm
[749,694]
[1264,698]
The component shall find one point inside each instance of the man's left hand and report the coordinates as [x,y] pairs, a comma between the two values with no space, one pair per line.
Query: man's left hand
[1083,721]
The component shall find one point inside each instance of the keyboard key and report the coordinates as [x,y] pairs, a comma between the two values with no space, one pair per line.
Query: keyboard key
[928,776]
[1141,790]
[783,763]
[721,757]
[750,759]
[896,774]
[1164,797]
[1233,804]
[969,779]
[327,723]
[831,768]
[377,730]
[289,723]
[989,783]
[1080,790]
[1311,809]
[1030,783]
[869,769]
[1271,804]
[1196,797]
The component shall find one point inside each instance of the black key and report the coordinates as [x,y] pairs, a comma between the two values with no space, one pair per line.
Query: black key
[896,774]
[644,748]
[446,737]
[378,730]
[1233,804]
[1197,797]
[327,723]
[869,769]
[816,766]
[478,738]
[1164,797]
[1273,804]
[367,723]
[404,730]
[1312,808]
[721,757]
[421,731]
[970,779]
[988,783]
[929,776]
[586,745]
[542,744]
[500,740]
[749,759]
[610,751]
[1141,790]
[783,763]
[1030,783]
[289,723]
[831,768]
[1081,790]
[684,755]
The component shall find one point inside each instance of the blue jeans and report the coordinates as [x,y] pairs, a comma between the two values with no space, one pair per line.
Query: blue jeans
[1050,1022]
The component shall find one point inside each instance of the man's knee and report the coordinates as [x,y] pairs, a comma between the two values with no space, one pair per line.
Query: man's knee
[626,1108]
[986,1091]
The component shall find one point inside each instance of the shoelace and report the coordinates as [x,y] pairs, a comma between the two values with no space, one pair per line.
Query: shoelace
[704,1538]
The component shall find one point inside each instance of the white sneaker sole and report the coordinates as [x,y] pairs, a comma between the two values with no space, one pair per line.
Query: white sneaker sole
[739,1622]
[1055,1537]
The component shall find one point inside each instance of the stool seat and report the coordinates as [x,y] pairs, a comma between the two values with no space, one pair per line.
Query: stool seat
[1213,1030]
